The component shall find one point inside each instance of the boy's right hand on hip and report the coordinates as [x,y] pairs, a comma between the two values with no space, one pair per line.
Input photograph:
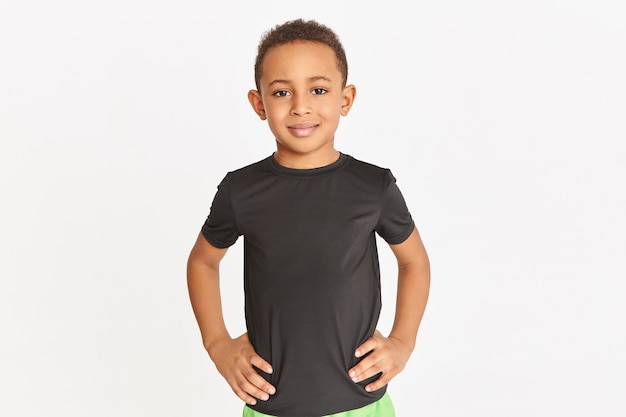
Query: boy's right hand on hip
[235,360]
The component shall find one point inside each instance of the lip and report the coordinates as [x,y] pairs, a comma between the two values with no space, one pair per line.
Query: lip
[302,129]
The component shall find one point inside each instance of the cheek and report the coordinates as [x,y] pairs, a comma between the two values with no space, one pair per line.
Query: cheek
[270,117]
[275,124]
[332,113]
[276,110]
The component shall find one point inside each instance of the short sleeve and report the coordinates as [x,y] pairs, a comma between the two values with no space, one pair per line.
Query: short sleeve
[395,223]
[220,228]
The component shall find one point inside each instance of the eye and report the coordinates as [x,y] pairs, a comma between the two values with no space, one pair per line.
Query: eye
[281,93]
[319,90]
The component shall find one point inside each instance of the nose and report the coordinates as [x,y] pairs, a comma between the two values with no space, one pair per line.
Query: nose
[300,105]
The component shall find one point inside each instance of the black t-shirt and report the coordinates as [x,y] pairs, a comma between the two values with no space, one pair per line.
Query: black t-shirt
[311,272]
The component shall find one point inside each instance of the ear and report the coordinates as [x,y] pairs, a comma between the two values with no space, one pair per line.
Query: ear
[347,99]
[256,101]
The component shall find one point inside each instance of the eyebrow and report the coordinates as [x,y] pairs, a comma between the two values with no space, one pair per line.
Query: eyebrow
[311,79]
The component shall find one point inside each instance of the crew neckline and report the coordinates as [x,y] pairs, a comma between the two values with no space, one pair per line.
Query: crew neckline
[339,164]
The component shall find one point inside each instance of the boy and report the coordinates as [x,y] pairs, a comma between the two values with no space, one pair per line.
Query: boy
[308,214]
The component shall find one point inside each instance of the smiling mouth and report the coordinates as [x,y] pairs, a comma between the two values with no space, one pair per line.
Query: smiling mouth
[302,129]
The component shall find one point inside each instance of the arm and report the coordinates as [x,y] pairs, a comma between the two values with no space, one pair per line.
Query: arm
[234,358]
[390,354]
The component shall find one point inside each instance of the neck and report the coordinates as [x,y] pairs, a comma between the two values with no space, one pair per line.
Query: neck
[298,161]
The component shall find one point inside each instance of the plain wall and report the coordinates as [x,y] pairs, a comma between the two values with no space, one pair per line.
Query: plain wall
[504,123]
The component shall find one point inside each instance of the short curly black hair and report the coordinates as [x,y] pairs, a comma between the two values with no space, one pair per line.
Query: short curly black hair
[300,30]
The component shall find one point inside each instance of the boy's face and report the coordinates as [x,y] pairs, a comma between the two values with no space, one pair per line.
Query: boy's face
[302,98]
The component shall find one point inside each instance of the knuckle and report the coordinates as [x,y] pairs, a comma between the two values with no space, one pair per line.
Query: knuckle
[250,374]
[241,394]
[239,382]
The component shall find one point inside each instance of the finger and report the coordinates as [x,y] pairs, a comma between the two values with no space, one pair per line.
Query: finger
[259,382]
[370,366]
[379,383]
[257,379]
[367,346]
[253,390]
[241,393]
[362,366]
[388,371]
[261,363]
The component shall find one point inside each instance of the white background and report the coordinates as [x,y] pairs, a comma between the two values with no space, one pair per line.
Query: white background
[503,121]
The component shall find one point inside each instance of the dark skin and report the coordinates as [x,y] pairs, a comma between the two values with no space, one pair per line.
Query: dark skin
[302,98]
[234,358]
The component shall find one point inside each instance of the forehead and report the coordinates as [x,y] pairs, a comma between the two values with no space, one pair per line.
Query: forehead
[300,59]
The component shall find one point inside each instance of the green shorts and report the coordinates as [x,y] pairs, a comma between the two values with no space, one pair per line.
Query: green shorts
[380,408]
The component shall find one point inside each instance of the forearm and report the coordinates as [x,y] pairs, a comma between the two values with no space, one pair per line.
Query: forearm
[235,359]
[413,288]
[412,296]
[390,354]
[204,293]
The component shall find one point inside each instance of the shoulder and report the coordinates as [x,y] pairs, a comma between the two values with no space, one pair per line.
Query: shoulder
[369,171]
[247,172]
[367,167]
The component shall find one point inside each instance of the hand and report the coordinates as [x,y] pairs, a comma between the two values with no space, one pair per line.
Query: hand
[234,359]
[388,355]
